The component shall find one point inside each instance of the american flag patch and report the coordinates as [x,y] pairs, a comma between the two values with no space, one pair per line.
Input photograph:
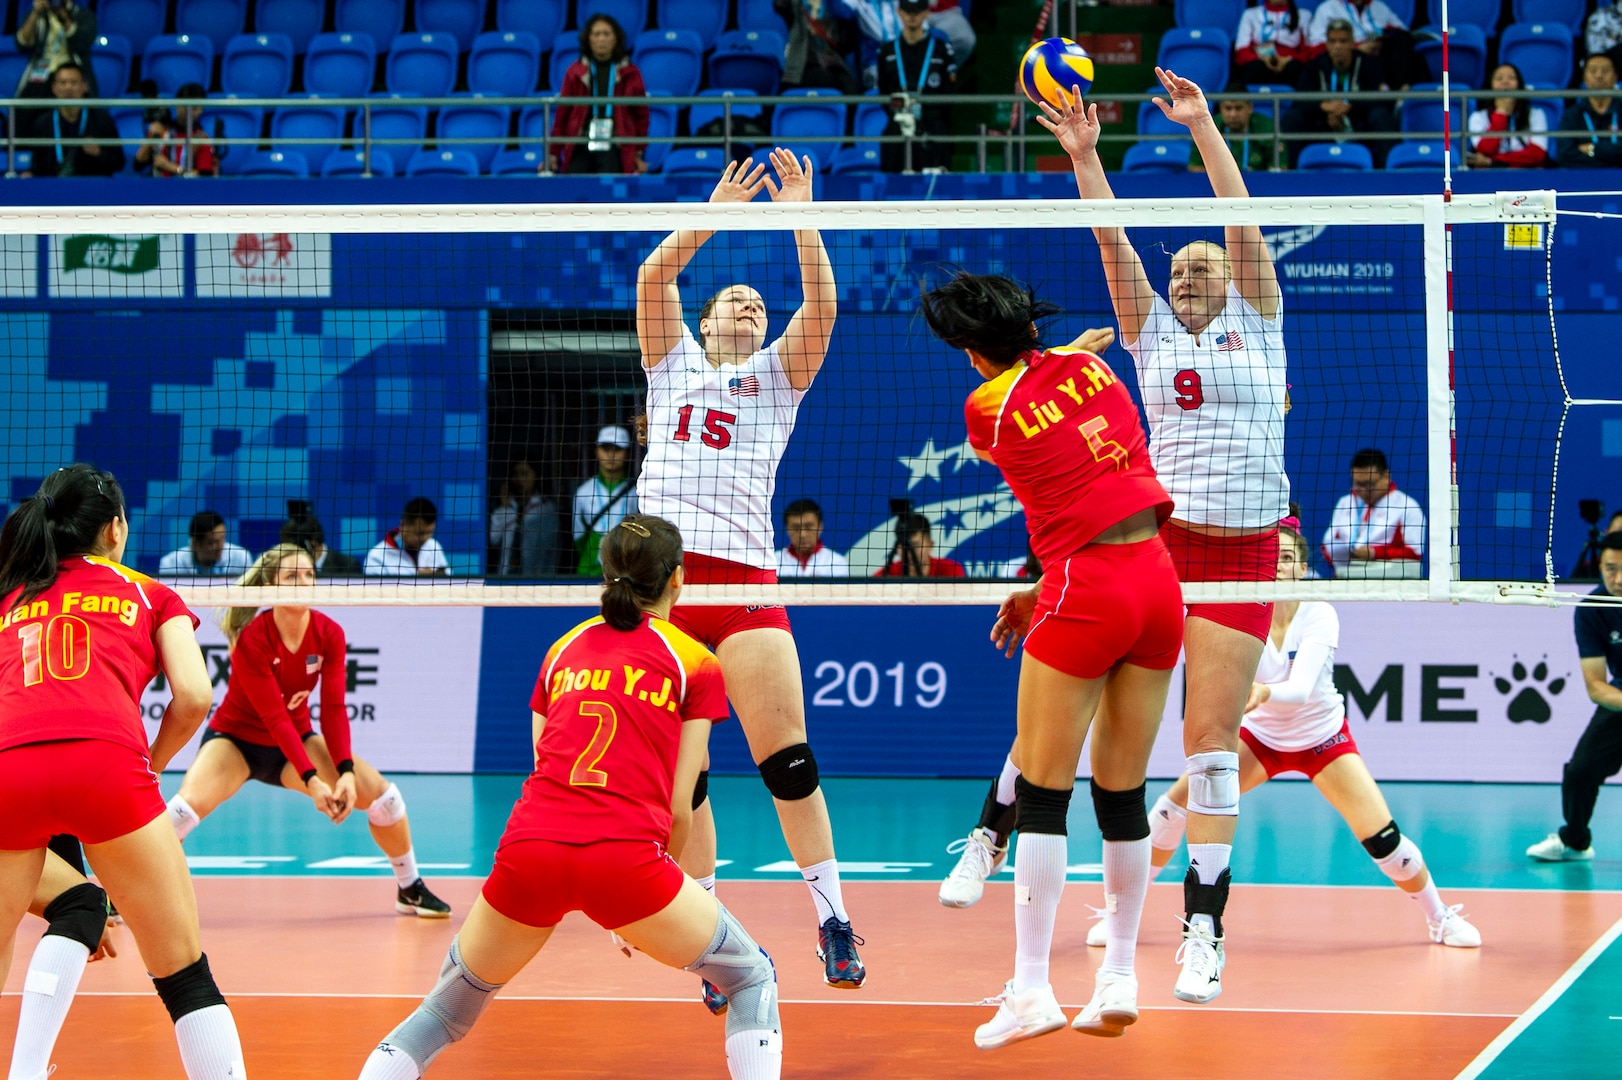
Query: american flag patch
[743,386]
[312,664]
[1229,342]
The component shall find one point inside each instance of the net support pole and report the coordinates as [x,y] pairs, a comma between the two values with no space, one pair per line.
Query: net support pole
[1439,403]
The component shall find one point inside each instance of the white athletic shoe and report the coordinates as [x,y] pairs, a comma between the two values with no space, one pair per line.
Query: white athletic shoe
[980,859]
[1553,849]
[1114,1006]
[1024,1015]
[1201,956]
[1455,930]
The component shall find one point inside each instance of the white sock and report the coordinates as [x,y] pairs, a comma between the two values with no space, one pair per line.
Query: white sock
[1126,886]
[210,1048]
[1428,898]
[53,976]
[823,881]
[1005,784]
[405,867]
[389,1064]
[707,883]
[1038,883]
[182,816]
[1209,860]
[751,1055]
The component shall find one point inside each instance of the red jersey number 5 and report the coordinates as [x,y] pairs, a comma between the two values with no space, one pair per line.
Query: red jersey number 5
[1103,449]
[1190,394]
[716,434]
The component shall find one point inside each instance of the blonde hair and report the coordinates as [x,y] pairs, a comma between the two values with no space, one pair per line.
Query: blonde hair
[1210,250]
[262,572]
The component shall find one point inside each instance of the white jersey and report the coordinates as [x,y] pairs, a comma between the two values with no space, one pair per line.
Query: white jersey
[715,438]
[1305,708]
[823,562]
[1216,413]
[1368,21]
[1394,528]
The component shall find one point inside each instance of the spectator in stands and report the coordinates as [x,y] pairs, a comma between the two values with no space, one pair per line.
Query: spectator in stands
[410,549]
[914,554]
[1602,148]
[1341,67]
[525,526]
[56,32]
[877,24]
[916,65]
[603,501]
[818,41]
[603,70]
[1270,45]
[1374,523]
[947,18]
[70,120]
[1603,33]
[805,556]
[181,146]
[208,552]
[1249,137]
[307,533]
[1376,31]
[1503,134]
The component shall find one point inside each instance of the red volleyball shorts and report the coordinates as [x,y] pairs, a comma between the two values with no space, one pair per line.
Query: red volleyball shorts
[1310,761]
[1204,557]
[1108,604]
[615,882]
[94,789]
[710,625]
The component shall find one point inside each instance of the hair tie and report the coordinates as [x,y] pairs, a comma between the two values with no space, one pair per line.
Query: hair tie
[636,527]
[49,505]
[627,581]
[1291,523]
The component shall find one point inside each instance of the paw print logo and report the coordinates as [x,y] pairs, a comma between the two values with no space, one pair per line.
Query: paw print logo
[1529,702]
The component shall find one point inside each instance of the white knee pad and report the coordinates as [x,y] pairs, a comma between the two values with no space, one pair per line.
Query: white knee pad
[1213,784]
[1404,864]
[388,809]
[182,816]
[1167,824]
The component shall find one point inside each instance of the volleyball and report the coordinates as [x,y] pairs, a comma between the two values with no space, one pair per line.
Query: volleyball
[1051,68]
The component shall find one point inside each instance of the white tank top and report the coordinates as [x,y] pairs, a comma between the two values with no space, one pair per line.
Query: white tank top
[715,438]
[1287,727]
[1216,413]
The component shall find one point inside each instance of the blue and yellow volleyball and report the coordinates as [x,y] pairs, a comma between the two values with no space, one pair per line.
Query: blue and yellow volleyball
[1051,68]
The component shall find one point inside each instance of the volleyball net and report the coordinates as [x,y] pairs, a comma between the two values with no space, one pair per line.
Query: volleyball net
[339,365]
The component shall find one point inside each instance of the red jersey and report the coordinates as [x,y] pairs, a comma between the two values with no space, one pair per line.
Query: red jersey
[614,703]
[937,568]
[268,699]
[74,660]
[1068,440]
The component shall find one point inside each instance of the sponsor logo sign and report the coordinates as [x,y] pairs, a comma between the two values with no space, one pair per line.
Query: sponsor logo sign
[129,267]
[265,265]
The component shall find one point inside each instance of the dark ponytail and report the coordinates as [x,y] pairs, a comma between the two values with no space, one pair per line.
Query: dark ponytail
[64,518]
[990,314]
[638,555]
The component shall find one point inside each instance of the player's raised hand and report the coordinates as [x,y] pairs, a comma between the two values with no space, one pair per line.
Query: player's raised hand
[1075,125]
[793,178]
[1013,620]
[1094,339]
[739,182]
[1187,104]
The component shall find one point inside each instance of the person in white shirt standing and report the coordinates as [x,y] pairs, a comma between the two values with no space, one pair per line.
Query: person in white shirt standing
[1374,524]
[410,549]
[805,556]
[208,552]
[603,501]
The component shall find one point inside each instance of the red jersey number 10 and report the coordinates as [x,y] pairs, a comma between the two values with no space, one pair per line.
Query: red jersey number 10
[716,434]
[60,647]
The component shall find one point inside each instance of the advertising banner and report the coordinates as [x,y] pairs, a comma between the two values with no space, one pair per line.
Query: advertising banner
[266,266]
[125,267]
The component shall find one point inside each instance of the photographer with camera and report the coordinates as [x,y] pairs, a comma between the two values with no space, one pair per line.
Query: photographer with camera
[1587,566]
[914,66]
[56,32]
[68,121]
[178,147]
[914,552]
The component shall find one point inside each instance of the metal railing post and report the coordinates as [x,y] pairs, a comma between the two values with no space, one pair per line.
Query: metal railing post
[366,141]
[726,125]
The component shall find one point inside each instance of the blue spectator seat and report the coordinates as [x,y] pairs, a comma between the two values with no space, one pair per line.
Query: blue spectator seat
[340,65]
[747,60]
[706,18]
[12,67]
[861,158]
[1543,52]
[257,65]
[565,51]
[217,20]
[308,119]
[277,163]
[543,18]
[394,116]
[694,161]
[670,60]
[136,21]
[1162,155]
[131,124]
[1478,13]
[1551,108]
[442,163]
[351,164]
[1424,115]
[517,163]
[1151,121]
[1335,157]
[505,63]
[1466,55]
[792,122]
[110,58]
[1402,9]
[235,122]
[1265,107]
[532,130]
[1221,14]
[300,20]
[382,19]
[173,60]
[632,15]
[462,19]
[473,119]
[662,120]
[421,64]
[1199,54]
[1422,156]
[25,158]
[1571,12]
[761,15]
[870,121]
[701,115]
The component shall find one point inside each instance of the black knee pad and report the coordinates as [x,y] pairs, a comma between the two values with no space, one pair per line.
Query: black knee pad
[997,817]
[189,990]
[791,773]
[1122,815]
[80,914]
[1383,842]
[701,788]
[1040,809]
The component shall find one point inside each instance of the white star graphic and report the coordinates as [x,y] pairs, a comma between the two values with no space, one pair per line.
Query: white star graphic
[927,465]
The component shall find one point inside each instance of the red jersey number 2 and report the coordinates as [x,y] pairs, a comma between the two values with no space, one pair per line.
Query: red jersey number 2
[716,434]
[585,772]
[1190,393]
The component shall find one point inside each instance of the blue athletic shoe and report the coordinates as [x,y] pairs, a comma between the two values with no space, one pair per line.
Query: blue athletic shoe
[713,999]
[836,948]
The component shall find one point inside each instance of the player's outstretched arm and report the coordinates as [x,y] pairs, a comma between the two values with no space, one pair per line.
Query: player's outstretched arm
[690,754]
[805,342]
[187,676]
[1077,130]
[658,301]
